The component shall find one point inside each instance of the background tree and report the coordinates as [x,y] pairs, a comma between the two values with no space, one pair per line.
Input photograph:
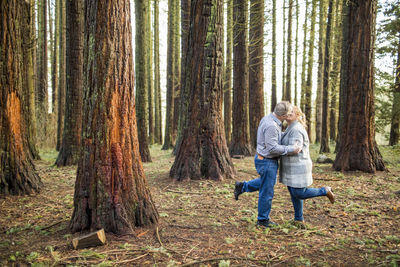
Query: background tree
[177,71]
[151,91]
[54,61]
[157,87]
[111,191]
[71,141]
[357,149]
[240,144]
[17,172]
[228,73]
[256,67]
[304,60]
[273,67]
[142,79]
[296,51]
[283,48]
[394,126]
[288,87]
[203,152]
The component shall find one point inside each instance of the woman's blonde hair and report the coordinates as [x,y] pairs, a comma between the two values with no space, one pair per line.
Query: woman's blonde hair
[300,116]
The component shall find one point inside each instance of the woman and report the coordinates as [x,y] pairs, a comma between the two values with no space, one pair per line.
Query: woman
[296,169]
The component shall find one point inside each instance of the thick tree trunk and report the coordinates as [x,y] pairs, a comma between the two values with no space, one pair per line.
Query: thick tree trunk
[228,73]
[71,141]
[142,79]
[240,144]
[54,62]
[157,87]
[288,87]
[177,72]
[394,127]
[203,152]
[62,76]
[358,149]
[256,67]
[111,191]
[17,172]
[326,84]
[274,100]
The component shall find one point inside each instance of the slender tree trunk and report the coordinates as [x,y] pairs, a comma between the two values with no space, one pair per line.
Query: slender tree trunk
[203,152]
[394,126]
[177,72]
[71,141]
[240,144]
[170,78]
[284,50]
[157,87]
[54,62]
[150,76]
[304,60]
[111,191]
[142,77]
[256,67]
[296,51]
[62,76]
[17,172]
[308,90]
[228,73]
[357,149]
[51,45]
[274,100]
[288,87]
[320,81]
[326,88]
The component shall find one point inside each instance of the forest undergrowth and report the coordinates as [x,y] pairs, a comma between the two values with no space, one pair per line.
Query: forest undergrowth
[202,225]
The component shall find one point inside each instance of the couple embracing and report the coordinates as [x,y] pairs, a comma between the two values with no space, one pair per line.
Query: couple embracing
[292,149]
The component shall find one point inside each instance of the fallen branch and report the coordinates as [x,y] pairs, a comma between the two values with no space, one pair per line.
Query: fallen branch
[220,259]
[130,260]
[158,237]
[184,192]
[185,226]
[51,225]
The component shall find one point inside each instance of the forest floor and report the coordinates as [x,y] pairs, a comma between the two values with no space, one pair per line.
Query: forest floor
[202,225]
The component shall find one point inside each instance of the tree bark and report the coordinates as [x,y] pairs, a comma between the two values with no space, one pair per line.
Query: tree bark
[142,77]
[111,191]
[228,73]
[296,51]
[274,100]
[304,60]
[256,67]
[177,73]
[150,76]
[54,62]
[288,87]
[17,171]
[394,126]
[157,87]
[240,144]
[71,141]
[358,149]
[284,49]
[203,152]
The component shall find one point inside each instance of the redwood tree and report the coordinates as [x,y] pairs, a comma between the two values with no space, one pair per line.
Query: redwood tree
[228,73]
[203,152]
[111,191]
[17,172]
[274,100]
[71,140]
[357,148]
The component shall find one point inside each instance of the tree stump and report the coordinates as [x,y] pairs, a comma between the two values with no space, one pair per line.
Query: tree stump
[90,240]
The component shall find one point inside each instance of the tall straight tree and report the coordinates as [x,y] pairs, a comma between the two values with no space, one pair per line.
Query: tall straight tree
[157,87]
[177,71]
[111,191]
[228,73]
[62,75]
[54,61]
[142,79]
[320,81]
[309,77]
[304,60]
[169,112]
[326,88]
[240,144]
[394,126]
[284,49]
[150,75]
[288,87]
[17,172]
[42,105]
[71,141]
[256,67]
[296,51]
[274,100]
[203,152]
[357,149]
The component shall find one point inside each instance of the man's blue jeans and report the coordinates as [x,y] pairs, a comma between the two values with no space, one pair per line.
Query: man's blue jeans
[298,194]
[267,169]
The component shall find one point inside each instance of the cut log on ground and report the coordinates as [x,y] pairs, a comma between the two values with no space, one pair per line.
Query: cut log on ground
[90,240]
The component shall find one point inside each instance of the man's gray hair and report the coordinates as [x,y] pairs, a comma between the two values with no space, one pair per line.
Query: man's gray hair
[282,108]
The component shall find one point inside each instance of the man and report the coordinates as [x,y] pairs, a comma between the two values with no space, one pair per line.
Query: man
[269,149]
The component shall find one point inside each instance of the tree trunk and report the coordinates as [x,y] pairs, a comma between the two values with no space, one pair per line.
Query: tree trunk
[394,126]
[203,152]
[71,141]
[296,51]
[326,85]
[304,60]
[169,112]
[228,73]
[308,90]
[17,172]
[274,100]
[320,81]
[54,62]
[150,75]
[240,144]
[62,76]
[358,149]
[256,67]
[288,87]
[111,191]
[177,72]
[284,49]
[142,77]
[157,87]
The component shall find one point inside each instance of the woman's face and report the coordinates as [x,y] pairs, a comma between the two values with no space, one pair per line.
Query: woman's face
[291,117]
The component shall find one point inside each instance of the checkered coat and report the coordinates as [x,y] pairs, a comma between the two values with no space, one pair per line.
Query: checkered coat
[296,169]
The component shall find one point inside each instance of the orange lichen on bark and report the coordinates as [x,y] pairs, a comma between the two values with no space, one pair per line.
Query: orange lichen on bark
[14,117]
